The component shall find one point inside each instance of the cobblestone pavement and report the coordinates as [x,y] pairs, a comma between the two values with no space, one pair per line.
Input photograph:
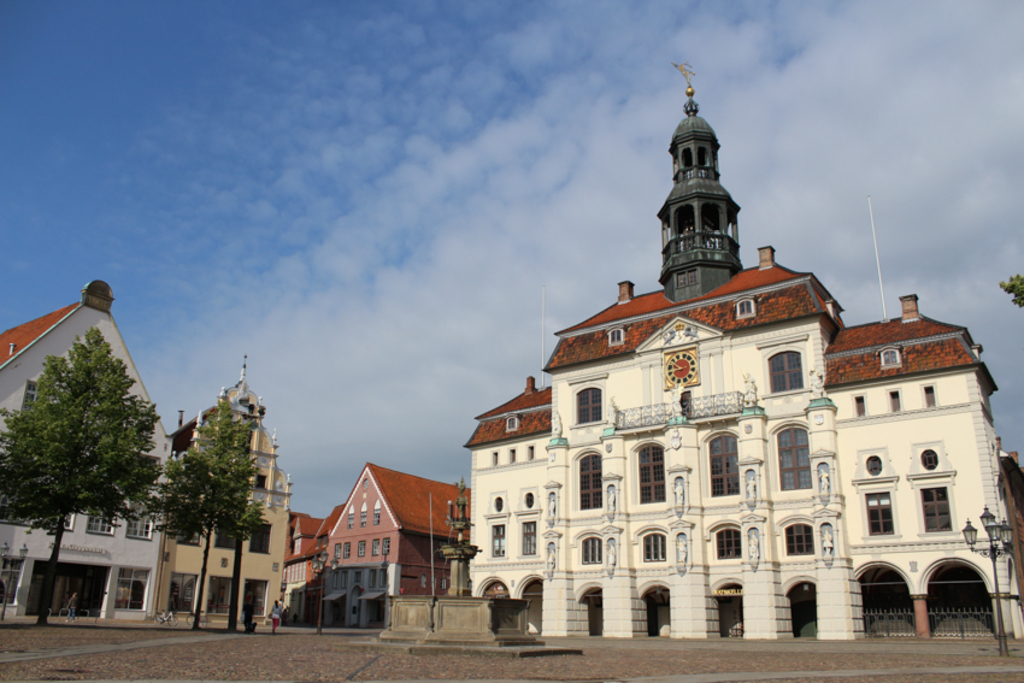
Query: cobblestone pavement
[130,651]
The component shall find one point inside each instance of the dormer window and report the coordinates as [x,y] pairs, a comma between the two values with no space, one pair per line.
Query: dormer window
[512,424]
[745,309]
[890,358]
[615,337]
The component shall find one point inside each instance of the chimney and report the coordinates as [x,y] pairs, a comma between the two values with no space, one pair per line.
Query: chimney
[531,385]
[999,445]
[625,291]
[909,303]
[11,349]
[765,258]
[181,417]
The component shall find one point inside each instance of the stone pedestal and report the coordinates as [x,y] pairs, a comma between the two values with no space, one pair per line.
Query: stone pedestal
[459,621]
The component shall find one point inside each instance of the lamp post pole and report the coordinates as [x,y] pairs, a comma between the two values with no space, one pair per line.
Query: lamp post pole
[319,565]
[998,533]
[4,550]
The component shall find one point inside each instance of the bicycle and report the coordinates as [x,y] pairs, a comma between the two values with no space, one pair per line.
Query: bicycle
[168,618]
[203,621]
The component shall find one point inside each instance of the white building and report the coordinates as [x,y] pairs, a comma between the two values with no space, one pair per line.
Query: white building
[110,567]
[726,457]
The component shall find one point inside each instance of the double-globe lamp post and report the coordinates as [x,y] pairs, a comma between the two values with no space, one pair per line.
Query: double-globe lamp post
[1000,543]
[4,551]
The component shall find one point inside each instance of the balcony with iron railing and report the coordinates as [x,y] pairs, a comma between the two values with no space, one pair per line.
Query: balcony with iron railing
[718,405]
[701,241]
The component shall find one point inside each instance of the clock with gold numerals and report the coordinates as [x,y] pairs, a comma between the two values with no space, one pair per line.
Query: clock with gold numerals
[681,368]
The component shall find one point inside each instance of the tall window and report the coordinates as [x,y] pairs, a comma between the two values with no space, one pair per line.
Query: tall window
[591,551]
[725,471]
[929,397]
[936,509]
[337,551]
[362,515]
[183,591]
[361,549]
[386,546]
[794,459]
[590,483]
[588,404]
[223,540]
[879,514]
[218,600]
[786,371]
[529,538]
[652,474]
[498,540]
[346,551]
[729,544]
[894,402]
[131,588]
[351,518]
[376,513]
[30,395]
[799,540]
[860,406]
[375,550]
[259,542]
[654,548]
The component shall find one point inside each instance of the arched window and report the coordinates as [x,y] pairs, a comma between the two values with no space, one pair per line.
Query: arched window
[786,371]
[362,515]
[794,459]
[799,540]
[654,548]
[512,424]
[709,218]
[376,513]
[685,221]
[351,517]
[687,157]
[652,474]
[591,551]
[725,471]
[590,483]
[588,404]
[890,358]
[729,544]
[702,156]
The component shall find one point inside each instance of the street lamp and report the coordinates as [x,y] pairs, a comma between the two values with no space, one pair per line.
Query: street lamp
[4,551]
[999,533]
[319,565]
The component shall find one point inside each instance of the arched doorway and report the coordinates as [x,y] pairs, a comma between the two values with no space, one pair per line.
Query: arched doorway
[959,604]
[888,608]
[496,589]
[803,608]
[593,600]
[730,610]
[533,593]
[659,617]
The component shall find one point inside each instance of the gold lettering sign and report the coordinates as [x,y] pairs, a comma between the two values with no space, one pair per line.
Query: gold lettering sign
[728,591]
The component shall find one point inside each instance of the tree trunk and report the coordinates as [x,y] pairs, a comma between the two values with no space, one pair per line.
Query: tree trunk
[236,586]
[46,599]
[198,615]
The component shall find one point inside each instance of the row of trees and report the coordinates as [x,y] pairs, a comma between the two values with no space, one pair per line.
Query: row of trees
[80,448]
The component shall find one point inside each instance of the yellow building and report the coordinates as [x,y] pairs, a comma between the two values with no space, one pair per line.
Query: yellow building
[263,554]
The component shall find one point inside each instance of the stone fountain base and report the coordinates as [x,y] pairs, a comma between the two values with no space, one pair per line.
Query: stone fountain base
[458,620]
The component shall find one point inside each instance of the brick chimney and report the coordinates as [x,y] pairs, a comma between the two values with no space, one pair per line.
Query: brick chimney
[909,303]
[765,258]
[531,385]
[625,292]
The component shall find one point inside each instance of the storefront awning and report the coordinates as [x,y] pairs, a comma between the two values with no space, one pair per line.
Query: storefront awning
[371,596]
[335,595]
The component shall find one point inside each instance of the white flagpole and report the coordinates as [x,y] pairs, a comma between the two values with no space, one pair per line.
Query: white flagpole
[878,263]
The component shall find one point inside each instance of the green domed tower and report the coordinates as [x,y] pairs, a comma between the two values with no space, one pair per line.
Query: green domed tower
[700,234]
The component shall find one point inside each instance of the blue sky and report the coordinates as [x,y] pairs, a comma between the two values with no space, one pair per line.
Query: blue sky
[367,198]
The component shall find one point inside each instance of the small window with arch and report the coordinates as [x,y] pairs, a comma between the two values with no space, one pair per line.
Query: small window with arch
[512,424]
[745,309]
[890,358]
[615,337]
[588,405]
[786,371]
[874,465]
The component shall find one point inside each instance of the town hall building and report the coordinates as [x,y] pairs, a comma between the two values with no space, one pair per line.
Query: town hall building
[726,457]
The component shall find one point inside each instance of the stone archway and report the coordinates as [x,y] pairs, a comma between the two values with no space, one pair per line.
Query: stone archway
[533,592]
[659,619]
[496,589]
[803,608]
[888,607]
[594,602]
[730,610]
[959,603]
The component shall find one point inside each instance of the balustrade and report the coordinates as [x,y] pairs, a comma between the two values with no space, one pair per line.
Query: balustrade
[729,403]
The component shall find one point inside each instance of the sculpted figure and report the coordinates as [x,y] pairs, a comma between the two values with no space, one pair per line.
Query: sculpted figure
[817,383]
[552,560]
[751,489]
[750,391]
[823,483]
[613,413]
[556,425]
[611,553]
[611,498]
[679,490]
[827,544]
[753,546]
[682,552]
[552,505]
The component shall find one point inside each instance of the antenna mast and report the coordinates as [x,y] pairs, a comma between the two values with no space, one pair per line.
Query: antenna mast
[878,263]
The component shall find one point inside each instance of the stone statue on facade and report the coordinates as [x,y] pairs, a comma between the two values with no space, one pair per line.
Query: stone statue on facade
[556,425]
[613,413]
[753,546]
[552,557]
[749,391]
[611,498]
[827,542]
[823,481]
[680,492]
[552,505]
[611,554]
[817,383]
[682,552]
[751,488]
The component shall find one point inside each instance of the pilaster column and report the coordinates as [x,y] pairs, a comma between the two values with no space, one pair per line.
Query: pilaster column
[921,626]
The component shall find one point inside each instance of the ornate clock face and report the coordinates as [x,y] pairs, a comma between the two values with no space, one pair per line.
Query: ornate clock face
[681,369]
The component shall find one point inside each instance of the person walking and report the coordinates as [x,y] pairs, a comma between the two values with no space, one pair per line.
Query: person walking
[247,612]
[72,606]
[275,617]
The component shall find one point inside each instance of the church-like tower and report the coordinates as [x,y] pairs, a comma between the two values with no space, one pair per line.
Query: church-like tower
[700,235]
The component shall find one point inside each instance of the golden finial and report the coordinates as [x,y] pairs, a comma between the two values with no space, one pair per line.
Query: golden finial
[687,71]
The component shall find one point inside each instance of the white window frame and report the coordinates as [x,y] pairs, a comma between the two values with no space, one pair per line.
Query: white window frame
[895,362]
[141,528]
[99,525]
[741,314]
[616,336]
[512,423]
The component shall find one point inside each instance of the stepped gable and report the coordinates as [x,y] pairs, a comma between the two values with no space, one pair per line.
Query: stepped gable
[804,296]
[409,496]
[924,344]
[24,335]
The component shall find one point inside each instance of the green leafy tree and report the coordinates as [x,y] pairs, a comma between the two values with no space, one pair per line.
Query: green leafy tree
[207,489]
[78,448]
[1015,288]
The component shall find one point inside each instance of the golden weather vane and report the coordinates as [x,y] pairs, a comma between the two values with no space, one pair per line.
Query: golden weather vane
[687,71]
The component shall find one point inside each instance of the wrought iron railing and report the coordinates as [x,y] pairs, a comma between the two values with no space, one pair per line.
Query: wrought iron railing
[714,241]
[889,623]
[729,403]
[961,623]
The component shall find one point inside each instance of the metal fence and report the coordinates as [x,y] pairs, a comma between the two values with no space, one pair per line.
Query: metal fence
[961,623]
[889,623]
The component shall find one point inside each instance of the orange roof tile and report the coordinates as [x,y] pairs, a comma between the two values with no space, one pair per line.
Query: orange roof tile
[523,401]
[534,422]
[327,524]
[308,526]
[23,335]
[409,496]
[934,355]
[889,332]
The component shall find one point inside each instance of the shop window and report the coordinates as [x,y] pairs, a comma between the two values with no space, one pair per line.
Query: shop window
[131,589]
[257,592]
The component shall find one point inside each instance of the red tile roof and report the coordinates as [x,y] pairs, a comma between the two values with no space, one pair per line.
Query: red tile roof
[534,422]
[935,355]
[890,332]
[409,496]
[523,401]
[325,527]
[308,526]
[23,335]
